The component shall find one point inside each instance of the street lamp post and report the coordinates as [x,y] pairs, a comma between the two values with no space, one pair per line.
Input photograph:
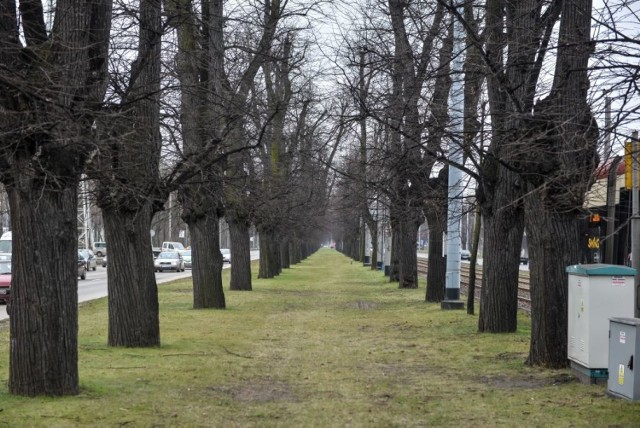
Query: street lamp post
[454,212]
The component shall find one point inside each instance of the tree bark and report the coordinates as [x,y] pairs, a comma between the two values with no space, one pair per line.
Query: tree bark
[43,355]
[207,262]
[284,253]
[373,229]
[133,293]
[503,230]
[241,254]
[553,245]
[297,251]
[471,296]
[394,267]
[436,274]
[408,254]
[269,255]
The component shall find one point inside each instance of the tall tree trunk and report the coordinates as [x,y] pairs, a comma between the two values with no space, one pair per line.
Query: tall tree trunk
[133,293]
[471,297]
[43,355]
[274,247]
[373,229]
[269,255]
[362,242]
[207,262]
[560,160]
[394,265]
[503,230]
[284,253]
[128,161]
[408,254]
[241,254]
[297,251]
[201,72]
[436,274]
[553,245]
[517,38]
[53,83]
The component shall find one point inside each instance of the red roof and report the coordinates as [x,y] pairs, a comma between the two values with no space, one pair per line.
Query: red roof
[603,170]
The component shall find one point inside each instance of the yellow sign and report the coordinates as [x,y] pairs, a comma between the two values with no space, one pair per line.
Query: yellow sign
[621,374]
[593,243]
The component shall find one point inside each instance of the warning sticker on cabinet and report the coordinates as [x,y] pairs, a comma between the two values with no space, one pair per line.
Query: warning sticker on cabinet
[623,337]
[621,374]
[618,281]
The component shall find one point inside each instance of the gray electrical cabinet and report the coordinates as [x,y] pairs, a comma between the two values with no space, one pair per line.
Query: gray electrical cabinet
[597,292]
[624,350]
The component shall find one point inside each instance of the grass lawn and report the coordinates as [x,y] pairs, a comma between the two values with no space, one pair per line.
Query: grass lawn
[327,343]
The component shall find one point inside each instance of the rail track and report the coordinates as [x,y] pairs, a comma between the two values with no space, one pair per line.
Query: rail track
[524,297]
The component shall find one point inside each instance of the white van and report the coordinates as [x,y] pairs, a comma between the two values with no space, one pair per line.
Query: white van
[100,249]
[5,243]
[172,246]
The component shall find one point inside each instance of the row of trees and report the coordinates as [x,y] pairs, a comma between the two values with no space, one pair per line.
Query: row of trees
[530,140]
[147,99]
[221,102]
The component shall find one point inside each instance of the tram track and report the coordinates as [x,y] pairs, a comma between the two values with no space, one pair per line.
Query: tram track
[524,295]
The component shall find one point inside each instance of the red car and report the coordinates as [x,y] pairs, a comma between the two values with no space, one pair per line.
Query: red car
[5,281]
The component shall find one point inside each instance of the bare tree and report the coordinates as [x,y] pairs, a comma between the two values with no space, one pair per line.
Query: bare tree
[214,122]
[53,82]
[275,168]
[517,35]
[129,190]
[558,160]
[435,205]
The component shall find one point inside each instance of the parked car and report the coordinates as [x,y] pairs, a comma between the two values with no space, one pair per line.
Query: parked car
[5,281]
[226,255]
[172,246]
[6,244]
[465,255]
[169,260]
[89,258]
[156,251]
[100,249]
[82,267]
[186,256]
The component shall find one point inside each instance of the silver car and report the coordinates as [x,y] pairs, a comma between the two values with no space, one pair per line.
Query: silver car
[89,259]
[186,256]
[169,260]
[226,255]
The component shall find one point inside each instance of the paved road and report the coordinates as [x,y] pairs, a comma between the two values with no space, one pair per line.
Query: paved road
[95,286]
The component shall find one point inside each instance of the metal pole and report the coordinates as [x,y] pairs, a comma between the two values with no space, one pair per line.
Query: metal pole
[607,125]
[611,184]
[635,221]
[454,212]
[610,238]
[86,213]
[170,214]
